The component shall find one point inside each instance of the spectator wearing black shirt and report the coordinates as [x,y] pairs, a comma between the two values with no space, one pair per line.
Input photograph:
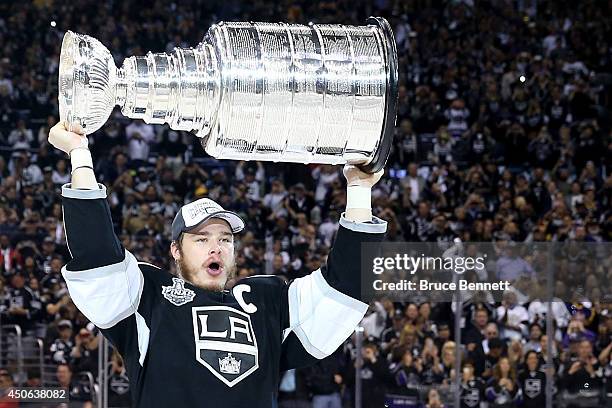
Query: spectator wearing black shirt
[374,376]
[391,335]
[491,358]
[532,382]
[80,393]
[472,387]
[475,334]
[440,232]
[432,371]
[54,276]
[61,347]
[582,372]
[18,303]
[323,381]
[118,383]
[84,354]
[444,335]
[543,356]
[299,201]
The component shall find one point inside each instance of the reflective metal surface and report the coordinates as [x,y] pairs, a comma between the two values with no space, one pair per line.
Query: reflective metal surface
[251,91]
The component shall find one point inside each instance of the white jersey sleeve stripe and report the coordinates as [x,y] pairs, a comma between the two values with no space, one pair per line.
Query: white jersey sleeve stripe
[376,226]
[108,294]
[84,194]
[321,316]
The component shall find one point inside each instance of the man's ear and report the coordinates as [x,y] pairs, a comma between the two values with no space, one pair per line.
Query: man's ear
[174,250]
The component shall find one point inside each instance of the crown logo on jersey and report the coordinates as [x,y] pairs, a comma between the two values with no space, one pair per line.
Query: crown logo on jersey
[229,365]
[177,294]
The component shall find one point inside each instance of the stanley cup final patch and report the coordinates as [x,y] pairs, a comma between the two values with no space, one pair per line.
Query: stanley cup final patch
[177,294]
[225,342]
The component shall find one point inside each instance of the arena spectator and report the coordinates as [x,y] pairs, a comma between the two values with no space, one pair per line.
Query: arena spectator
[118,383]
[61,347]
[391,335]
[6,383]
[374,376]
[503,389]
[532,382]
[324,381]
[84,354]
[433,400]
[491,358]
[472,387]
[582,377]
[535,333]
[19,304]
[79,393]
[512,317]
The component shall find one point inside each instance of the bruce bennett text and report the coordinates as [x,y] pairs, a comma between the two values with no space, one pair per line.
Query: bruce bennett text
[424,285]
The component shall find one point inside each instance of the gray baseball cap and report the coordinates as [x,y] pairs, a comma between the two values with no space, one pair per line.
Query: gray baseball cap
[191,215]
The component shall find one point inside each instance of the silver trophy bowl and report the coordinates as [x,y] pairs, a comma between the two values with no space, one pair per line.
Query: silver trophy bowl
[251,91]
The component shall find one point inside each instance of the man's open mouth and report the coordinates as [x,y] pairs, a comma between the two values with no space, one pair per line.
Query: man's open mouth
[214,269]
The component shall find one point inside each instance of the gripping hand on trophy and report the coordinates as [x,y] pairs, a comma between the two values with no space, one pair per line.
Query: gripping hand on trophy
[359,192]
[75,144]
[63,139]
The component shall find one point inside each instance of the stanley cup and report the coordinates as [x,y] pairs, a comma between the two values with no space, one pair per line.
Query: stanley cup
[251,91]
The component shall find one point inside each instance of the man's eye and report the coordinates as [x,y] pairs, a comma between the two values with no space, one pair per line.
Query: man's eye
[201,240]
[226,240]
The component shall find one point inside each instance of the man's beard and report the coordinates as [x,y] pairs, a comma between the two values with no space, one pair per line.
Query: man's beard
[188,275]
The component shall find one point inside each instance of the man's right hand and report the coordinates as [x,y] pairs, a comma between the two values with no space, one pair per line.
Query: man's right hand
[63,139]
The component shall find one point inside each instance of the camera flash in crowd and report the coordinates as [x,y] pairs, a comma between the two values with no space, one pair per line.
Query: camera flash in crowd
[53,23]
[522,78]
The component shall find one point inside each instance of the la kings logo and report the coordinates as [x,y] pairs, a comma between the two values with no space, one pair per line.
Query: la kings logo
[225,342]
[533,386]
[471,397]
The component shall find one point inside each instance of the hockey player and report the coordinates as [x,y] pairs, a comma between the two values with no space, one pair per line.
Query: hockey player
[186,341]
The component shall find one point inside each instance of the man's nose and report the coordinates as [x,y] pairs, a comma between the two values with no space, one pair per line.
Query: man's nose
[215,249]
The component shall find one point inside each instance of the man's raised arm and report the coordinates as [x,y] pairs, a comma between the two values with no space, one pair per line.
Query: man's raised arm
[325,307]
[103,279]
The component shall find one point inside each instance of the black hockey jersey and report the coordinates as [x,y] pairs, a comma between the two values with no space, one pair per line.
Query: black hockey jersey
[472,393]
[533,388]
[188,347]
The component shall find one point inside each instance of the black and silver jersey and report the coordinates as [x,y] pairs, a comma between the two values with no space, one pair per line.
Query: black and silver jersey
[188,347]
[533,388]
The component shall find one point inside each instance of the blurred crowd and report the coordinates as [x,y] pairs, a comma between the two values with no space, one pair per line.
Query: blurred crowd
[503,133]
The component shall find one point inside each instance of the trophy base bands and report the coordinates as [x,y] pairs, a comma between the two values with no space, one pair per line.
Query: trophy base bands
[28,394]
[424,285]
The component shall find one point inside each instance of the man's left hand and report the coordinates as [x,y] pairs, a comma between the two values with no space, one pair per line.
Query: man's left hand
[356,177]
